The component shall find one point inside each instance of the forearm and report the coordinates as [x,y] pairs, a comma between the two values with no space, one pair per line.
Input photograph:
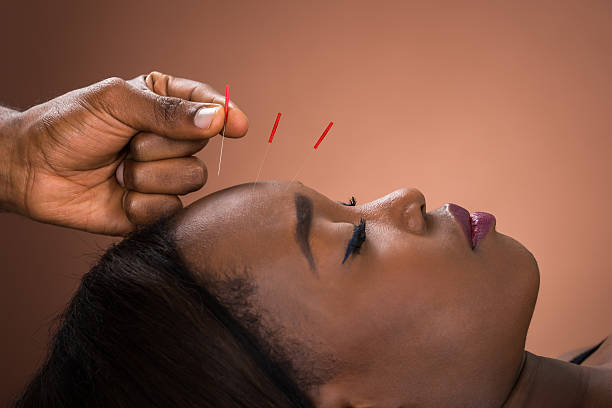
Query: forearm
[10,167]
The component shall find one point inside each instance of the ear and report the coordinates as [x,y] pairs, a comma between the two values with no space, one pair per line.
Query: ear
[333,395]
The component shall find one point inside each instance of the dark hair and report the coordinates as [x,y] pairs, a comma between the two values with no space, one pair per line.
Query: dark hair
[140,331]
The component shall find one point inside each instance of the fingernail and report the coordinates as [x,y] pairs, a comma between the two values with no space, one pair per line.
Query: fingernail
[119,174]
[204,117]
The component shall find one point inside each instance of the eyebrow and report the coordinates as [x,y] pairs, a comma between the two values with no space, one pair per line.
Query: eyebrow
[303,214]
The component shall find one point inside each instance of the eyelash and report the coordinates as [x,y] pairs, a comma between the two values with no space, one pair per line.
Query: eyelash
[358,238]
[352,202]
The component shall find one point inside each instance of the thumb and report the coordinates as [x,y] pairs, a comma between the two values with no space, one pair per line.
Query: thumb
[172,117]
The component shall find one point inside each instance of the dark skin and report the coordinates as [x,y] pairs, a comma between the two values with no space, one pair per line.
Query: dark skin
[417,318]
[111,156]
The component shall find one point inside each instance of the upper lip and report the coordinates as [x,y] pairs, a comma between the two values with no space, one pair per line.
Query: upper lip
[462,217]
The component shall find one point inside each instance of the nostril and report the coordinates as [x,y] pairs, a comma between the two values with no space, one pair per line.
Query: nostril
[414,219]
[423,210]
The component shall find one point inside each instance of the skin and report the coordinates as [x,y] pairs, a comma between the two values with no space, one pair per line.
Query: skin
[417,318]
[113,155]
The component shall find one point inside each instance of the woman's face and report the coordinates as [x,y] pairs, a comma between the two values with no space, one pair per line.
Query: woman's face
[416,316]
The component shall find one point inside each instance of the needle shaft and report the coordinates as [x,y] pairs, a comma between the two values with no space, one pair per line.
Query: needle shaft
[226,108]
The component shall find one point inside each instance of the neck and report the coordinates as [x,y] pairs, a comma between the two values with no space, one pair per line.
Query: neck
[548,382]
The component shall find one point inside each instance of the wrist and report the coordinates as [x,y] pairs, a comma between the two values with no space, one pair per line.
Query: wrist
[12,167]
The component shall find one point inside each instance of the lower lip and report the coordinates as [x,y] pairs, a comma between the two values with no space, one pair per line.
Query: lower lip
[475,226]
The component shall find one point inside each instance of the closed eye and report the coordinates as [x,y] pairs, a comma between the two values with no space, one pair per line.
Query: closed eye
[358,238]
[352,202]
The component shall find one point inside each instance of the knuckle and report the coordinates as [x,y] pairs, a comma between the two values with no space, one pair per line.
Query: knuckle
[138,179]
[132,178]
[112,84]
[143,209]
[108,89]
[130,203]
[114,81]
[139,146]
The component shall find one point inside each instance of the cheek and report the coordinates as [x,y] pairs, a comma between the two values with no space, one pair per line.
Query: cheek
[438,292]
[389,306]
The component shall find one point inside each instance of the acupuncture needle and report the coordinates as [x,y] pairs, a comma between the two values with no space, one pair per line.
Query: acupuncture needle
[227,89]
[311,152]
[278,116]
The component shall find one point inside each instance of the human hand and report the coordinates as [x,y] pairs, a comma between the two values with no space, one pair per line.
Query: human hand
[113,155]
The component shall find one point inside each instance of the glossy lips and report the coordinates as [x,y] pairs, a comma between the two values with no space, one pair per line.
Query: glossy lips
[463,216]
[482,223]
[475,225]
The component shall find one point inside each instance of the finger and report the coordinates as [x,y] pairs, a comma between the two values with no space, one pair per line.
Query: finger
[110,219]
[168,85]
[142,209]
[167,116]
[149,146]
[171,176]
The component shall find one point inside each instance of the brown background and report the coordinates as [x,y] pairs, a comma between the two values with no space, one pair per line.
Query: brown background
[497,106]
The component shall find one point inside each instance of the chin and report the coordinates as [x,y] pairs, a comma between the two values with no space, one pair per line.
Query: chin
[523,266]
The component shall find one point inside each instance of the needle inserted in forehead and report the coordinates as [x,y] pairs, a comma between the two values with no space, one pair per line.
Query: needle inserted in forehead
[312,151]
[278,116]
[227,89]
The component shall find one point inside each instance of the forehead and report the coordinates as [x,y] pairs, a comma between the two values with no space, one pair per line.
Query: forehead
[244,225]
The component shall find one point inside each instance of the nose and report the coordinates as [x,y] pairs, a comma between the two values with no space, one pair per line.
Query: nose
[405,208]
